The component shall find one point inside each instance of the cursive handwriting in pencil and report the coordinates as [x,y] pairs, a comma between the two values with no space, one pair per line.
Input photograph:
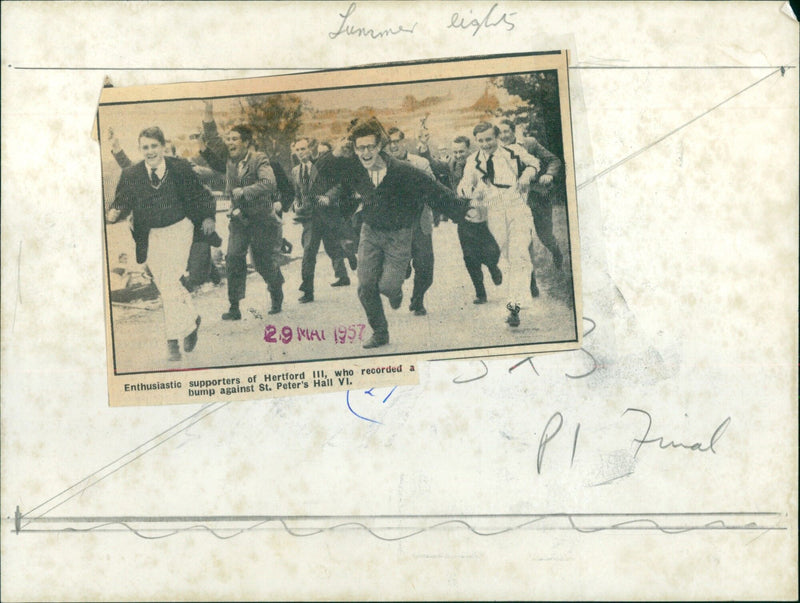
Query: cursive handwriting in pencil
[457,21]
[345,28]
[696,446]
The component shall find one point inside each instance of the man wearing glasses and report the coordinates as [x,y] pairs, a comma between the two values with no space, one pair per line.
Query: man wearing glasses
[393,194]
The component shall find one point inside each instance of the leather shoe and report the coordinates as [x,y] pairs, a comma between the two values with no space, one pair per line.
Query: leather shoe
[342,282]
[481,299]
[497,275]
[534,288]
[377,340]
[173,351]
[417,308]
[307,298]
[190,341]
[232,314]
[277,302]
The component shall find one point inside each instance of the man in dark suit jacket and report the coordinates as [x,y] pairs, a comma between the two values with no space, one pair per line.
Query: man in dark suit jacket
[321,219]
[167,201]
[254,219]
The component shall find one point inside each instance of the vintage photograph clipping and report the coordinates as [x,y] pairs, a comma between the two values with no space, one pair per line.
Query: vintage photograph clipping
[328,230]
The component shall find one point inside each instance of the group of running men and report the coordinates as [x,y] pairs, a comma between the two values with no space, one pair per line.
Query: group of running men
[366,198]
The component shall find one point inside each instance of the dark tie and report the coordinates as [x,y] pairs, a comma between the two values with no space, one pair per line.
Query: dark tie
[306,177]
[490,169]
[154,178]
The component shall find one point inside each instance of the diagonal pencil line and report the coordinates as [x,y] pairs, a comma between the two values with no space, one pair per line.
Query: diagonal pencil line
[132,451]
[670,133]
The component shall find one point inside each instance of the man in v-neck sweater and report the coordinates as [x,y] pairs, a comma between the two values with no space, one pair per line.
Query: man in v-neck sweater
[392,195]
[167,201]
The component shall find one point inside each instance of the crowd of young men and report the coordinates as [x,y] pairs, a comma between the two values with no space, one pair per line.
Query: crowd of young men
[369,201]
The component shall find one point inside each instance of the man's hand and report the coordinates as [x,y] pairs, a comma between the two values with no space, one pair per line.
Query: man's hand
[277,207]
[237,193]
[208,226]
[115,146]
[525,179]
[546,180]
[112,215]
[324,200]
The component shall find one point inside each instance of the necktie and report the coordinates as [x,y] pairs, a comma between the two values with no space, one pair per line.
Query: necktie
[306,177]
[154,178]
[490,169]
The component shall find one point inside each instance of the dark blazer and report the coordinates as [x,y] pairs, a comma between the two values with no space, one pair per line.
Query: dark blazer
[197,202]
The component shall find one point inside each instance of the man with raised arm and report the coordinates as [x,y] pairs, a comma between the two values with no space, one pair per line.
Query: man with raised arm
[255,222]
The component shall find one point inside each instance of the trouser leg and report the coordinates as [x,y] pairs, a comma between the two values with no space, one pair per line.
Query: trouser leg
[236,261]
[370,267]
[421,262]
[265,240]
[332,227]
[311,238]
[168,252]
[396,256]
[542,213]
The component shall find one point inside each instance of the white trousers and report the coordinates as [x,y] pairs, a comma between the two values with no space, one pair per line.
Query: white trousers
[167,254]
[511,225]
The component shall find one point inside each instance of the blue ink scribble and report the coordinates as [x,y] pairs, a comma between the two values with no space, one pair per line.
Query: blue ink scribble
[371,394]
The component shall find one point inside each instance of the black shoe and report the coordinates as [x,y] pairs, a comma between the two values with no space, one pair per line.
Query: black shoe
[307,298]
[353,261]
[396,302]
[342,282]
[534,288]
[417,308]
[497,275]
[481,299]
[513,315]
[173,351]
[277,302]
[558,259]
[190,341]
[376,341]
[232,314]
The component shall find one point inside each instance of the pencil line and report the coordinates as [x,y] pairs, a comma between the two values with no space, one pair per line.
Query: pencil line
[317,68]
[210,408]
[249,518]
[670,133]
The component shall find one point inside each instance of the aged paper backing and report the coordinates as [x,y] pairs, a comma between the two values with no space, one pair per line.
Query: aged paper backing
[492,479]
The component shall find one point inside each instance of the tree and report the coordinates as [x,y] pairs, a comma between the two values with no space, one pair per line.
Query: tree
[275,119]
[539,90]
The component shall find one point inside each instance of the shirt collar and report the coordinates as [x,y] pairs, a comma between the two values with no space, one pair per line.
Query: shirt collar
[161,169]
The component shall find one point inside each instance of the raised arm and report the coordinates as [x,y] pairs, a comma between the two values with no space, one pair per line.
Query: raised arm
[215,152]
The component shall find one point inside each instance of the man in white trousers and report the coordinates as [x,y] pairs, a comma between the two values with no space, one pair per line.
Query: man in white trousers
[167,201]
[497,178]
